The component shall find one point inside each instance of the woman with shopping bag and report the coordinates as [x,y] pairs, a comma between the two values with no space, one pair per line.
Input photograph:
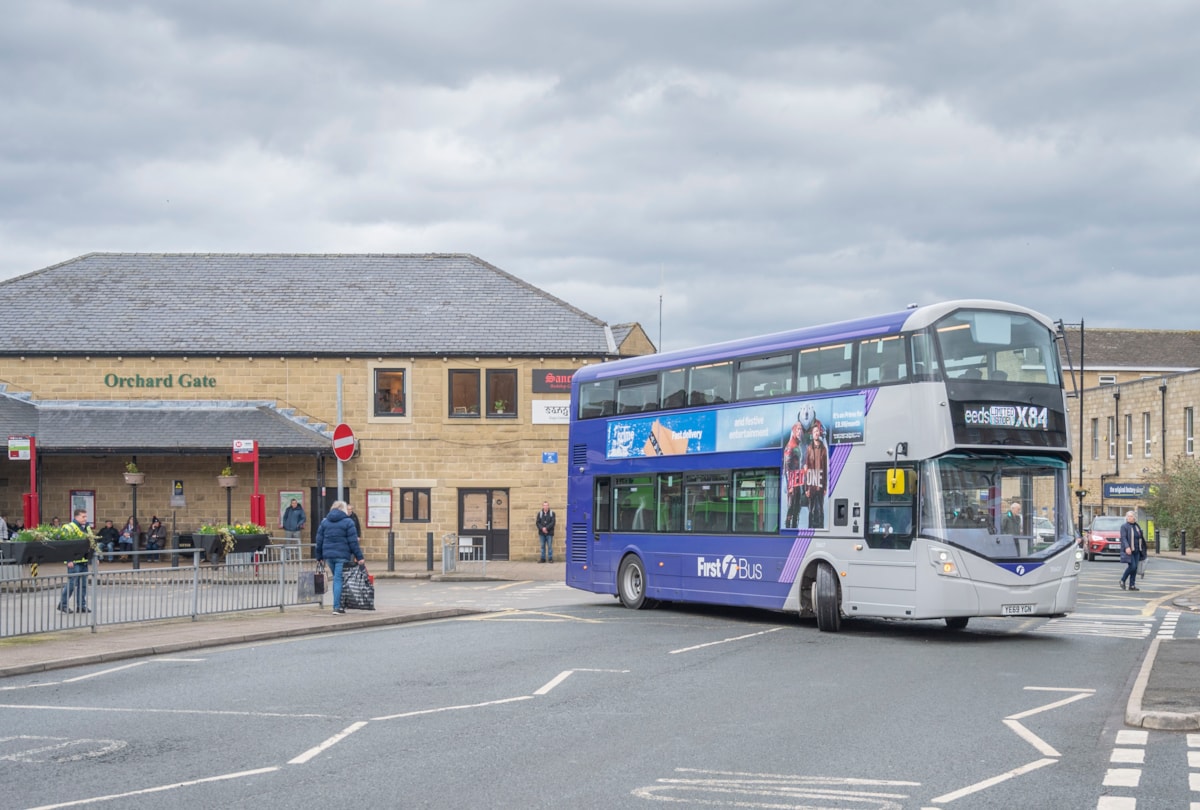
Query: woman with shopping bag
[337,544]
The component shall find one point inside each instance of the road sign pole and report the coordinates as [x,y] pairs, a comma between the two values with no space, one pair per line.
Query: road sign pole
[338,497]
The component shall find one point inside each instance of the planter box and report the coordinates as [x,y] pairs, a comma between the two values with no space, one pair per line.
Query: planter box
[45,552]
[242,543]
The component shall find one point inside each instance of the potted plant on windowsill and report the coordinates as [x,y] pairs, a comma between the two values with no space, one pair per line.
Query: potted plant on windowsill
[48,544]
[133,475]
[231,538]
[227,478]
[500,405]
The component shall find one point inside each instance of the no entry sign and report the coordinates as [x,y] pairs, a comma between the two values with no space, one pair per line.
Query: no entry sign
[343,442]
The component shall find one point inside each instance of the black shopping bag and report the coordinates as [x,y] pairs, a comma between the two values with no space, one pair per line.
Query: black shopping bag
[310,585]
[357,591]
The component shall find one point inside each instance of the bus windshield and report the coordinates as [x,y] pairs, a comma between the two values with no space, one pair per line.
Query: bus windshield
[999,507]
[999,346]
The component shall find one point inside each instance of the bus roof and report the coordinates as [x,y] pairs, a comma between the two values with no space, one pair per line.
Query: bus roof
[889,323]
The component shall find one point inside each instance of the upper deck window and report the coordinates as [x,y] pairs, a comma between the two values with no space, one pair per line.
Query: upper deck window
[826,368]
[764,377]
[711,384]
[883,360]
[984,345]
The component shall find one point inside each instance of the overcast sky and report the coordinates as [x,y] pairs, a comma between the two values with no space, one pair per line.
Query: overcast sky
[759,165]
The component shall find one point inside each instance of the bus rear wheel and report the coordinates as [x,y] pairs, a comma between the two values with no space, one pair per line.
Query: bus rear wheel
[825,600]
[631,583]
[957,622]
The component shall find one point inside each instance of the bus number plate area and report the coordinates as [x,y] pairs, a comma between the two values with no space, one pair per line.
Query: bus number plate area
[1016,610]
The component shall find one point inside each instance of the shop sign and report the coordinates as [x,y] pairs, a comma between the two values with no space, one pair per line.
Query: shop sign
[553,381]
[551,412]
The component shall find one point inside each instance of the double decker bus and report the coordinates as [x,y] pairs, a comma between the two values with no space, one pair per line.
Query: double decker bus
[914,465]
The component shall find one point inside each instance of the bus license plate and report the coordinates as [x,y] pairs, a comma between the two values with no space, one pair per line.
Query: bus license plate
[1016,610]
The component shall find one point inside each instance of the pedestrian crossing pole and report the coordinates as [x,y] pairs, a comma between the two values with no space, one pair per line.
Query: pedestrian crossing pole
[33,569]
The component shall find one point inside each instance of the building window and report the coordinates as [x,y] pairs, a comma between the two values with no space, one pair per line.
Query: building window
[414,506]
[1112,437]
[464,393]
[390,396]
[1128,435]
[1146,434]
[1188,443]
[502,392]
[1095,438]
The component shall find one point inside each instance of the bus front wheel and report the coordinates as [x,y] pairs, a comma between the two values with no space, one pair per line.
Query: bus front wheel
[957,622]
[826,604]
[631,583]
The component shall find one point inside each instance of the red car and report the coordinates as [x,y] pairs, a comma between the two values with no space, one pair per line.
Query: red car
[1104,537]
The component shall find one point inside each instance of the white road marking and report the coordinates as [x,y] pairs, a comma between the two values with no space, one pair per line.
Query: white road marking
[553,682]
[332,741]
[1028,736]
[723,641]
[159,789]
[767,790]
[1128,756]
[1116,803]
[1029,713]
[1122,777]
[103,672]
[59,744]
[1128,736]
[143,710]
[995,780]
[453,708]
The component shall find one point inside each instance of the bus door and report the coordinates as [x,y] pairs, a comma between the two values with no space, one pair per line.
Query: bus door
[483,521]
[882,575]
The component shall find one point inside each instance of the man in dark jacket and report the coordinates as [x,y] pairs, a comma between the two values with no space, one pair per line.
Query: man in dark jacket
[1133,549]
[337,544]
[545,526]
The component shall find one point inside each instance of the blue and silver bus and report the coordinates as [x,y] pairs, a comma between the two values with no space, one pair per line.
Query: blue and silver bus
[913,465]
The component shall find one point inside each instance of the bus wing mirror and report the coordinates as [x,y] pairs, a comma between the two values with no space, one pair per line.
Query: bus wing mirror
[896,481]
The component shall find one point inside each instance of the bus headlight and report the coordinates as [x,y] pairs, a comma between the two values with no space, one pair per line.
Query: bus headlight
[943,561]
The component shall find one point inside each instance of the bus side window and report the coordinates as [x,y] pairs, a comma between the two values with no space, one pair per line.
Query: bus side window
[602,516]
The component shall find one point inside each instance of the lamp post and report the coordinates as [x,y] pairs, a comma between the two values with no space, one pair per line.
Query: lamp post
[1080,492]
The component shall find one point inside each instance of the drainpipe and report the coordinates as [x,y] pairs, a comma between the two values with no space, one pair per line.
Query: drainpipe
[1162,389]
[1117,431]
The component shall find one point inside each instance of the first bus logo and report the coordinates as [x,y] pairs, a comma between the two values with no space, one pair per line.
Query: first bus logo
[728,567]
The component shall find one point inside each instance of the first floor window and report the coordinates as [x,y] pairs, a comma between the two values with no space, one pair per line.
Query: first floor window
[389,392]
[502,392]
[1188,440]
[1146,433]
[414,506]
[464,393]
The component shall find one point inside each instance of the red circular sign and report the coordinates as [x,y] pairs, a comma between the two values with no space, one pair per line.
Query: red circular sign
[343,442]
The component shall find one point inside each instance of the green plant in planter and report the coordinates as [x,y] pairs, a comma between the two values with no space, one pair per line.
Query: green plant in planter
[45,533]
[226,532]
[227,472]
[132,468]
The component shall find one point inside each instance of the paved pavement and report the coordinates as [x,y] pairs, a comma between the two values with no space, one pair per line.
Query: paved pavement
[1166,693]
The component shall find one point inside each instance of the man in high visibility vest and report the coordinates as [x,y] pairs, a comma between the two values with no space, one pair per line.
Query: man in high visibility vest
[77,570]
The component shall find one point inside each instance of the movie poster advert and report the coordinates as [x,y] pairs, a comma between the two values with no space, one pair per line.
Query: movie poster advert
[806,430]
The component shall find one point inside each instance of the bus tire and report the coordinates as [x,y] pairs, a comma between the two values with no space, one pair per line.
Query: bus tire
[631,583]
[957,622]
[826,603]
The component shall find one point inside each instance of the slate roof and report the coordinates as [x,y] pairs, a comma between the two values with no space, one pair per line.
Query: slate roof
[200,427]
[1161,351]
[289,304]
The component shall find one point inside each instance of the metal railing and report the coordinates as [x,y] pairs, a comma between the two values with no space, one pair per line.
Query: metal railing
[153,591]
[464,554]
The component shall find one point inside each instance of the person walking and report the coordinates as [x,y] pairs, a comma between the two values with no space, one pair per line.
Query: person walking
[545,526]
[294,520]
[337,544]
[1133,549]
[77,570]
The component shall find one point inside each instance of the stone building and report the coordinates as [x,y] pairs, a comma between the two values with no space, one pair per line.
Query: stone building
[1140,387]
[453,374]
